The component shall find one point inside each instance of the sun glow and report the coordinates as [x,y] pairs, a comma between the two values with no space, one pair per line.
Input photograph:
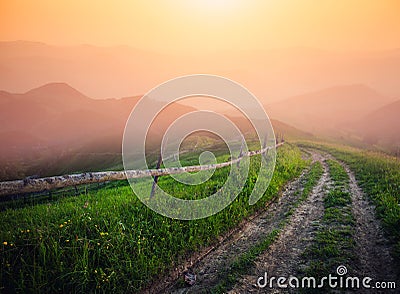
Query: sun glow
[220,7]
[216,4]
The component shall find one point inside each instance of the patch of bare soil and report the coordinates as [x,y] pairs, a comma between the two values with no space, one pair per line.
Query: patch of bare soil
[284,256]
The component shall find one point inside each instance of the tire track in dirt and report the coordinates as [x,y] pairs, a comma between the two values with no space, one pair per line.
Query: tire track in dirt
[372,247]
[210,268]
[284,256]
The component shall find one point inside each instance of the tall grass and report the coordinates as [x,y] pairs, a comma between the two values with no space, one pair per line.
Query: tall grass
[108,240]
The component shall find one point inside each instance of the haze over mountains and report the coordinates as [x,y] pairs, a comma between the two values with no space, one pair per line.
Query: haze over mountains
[54,128]
[61,130]
[381,126]
[330,110]
[272,75]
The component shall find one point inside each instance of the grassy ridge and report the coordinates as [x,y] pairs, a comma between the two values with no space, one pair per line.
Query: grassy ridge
[108,240]
[379,177]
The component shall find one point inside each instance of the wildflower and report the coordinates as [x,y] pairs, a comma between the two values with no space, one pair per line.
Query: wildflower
[67,240]
[61,226]
[103,233]
[5,243]
[27,231]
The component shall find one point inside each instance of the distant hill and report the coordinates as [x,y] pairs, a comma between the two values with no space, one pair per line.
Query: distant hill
[289,132]
[119,71]
[328,110]
[280,128]
[381,127]
[45,127]
[55,129]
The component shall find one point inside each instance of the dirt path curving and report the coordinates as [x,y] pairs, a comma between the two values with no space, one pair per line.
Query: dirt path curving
[372,247]
[284,256]
[210,268]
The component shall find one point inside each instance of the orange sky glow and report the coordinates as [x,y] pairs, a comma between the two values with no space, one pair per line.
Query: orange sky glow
[211,25]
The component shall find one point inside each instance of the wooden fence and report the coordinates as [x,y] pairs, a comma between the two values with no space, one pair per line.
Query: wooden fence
[30,185]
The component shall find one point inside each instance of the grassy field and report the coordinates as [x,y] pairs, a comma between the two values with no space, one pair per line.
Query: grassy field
[108,240]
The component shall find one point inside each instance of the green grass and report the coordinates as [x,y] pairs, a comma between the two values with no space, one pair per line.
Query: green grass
[334,243]
[379,177]
[108,240]
[310,182]
[243,262]
[311,179]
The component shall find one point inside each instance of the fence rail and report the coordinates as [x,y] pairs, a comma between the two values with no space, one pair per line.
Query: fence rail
[29,185]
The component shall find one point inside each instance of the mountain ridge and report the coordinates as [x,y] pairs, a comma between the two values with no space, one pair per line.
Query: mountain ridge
[328,109]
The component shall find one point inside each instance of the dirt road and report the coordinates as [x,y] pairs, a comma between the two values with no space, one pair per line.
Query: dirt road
[285,255]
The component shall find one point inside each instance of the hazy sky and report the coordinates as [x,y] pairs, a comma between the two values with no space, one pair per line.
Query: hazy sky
[197,25]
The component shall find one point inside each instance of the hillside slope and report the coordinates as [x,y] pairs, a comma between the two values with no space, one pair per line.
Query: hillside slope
[381,126]
[55,129]
[328,110]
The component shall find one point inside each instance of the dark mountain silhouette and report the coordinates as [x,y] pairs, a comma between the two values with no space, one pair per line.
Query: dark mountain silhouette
[56,121]
[55,129]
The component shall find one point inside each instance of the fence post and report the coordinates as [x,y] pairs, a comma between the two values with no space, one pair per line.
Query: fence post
[153,188]
[241,151]
[264,146]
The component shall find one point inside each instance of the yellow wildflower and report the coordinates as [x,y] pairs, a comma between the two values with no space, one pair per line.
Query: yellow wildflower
[5,243]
